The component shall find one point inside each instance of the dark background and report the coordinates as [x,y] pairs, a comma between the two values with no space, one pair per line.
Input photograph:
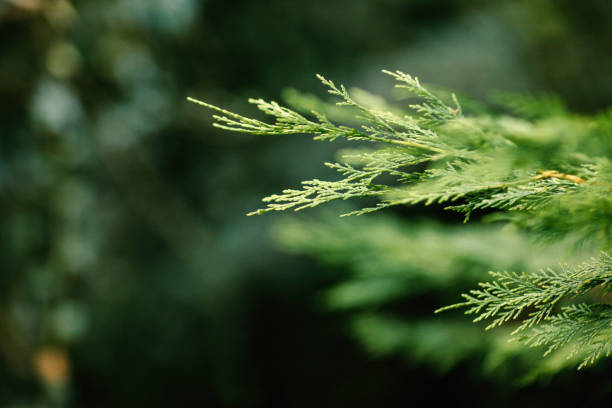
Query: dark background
[129,273]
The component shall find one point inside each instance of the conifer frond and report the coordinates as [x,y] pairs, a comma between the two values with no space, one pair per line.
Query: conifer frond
[547,172]
[586,329]
[476,165]
[357,183]
[533,297]
[433,110]
[530,196]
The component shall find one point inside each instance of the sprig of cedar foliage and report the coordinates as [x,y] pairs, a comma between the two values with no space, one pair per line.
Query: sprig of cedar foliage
[548,172]
[510,294]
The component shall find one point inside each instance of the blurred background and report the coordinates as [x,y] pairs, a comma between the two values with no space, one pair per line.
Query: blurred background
[129,273]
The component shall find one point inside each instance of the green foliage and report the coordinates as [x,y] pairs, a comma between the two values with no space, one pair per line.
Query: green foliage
[389,267]
[511,294]
[546,172]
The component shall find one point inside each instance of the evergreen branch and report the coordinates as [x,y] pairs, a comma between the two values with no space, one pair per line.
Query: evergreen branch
[414,145]
[433,109]
[357,183]
[381,122]
[476,178]
[510,295]
[287,122]
[435,155]
[291,122]
[586,329]
[478,182]
[388,160]
[524,195]
[480,168]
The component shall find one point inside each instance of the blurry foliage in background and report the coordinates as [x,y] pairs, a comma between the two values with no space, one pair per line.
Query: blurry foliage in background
[395,272]
[129,276]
